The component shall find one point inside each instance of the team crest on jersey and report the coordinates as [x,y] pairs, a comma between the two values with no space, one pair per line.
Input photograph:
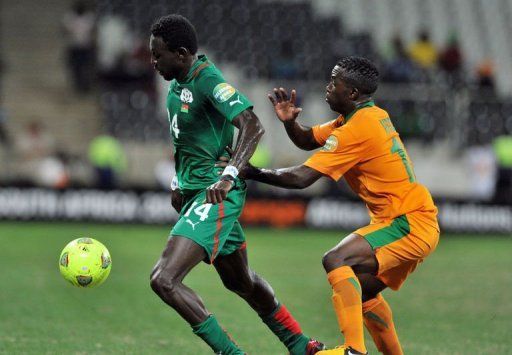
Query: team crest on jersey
[223,92]
[330,144]
[186,96]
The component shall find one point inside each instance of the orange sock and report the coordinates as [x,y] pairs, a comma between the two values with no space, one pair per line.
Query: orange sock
[378,319]
[346,299]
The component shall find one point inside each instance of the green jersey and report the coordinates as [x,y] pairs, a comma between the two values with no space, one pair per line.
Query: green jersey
[201,108]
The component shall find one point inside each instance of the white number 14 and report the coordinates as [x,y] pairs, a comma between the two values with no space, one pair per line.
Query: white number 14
[201,210]
[174,125]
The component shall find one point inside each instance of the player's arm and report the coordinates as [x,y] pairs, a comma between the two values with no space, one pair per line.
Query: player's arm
[250,131]
[302,136]
[296,177]
[176,195]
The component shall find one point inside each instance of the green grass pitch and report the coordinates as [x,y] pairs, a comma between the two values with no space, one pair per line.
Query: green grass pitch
[458,302]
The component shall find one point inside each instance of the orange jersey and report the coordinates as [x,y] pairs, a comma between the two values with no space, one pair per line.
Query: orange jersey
[365,148]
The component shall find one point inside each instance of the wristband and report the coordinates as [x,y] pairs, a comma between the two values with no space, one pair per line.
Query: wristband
[231,171]
[227,178]
[174,183]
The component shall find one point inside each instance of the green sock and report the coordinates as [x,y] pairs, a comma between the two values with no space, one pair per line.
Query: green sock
[282,324]
[212,333]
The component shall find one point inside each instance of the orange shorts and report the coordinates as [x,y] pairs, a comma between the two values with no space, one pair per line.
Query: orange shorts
[401,244]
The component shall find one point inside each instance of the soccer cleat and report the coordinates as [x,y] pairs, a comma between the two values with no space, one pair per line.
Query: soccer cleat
[314,346]
[340,350]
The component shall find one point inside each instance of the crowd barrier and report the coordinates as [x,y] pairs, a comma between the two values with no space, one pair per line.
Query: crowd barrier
[154,207]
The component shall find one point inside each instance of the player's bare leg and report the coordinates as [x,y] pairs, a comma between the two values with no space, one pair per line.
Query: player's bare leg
[179,257]
[236,275]
[354,256]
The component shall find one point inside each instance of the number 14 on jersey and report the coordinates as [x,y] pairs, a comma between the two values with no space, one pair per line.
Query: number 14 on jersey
[174,124]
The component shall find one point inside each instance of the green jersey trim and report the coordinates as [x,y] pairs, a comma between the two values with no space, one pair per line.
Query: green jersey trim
[201,63]
[360,106]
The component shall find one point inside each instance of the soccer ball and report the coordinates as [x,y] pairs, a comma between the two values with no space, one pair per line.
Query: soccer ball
[85,262]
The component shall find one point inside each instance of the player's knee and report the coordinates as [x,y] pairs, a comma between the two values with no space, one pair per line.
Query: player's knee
[155,281]
[163,286]
[153,272]
[334,259]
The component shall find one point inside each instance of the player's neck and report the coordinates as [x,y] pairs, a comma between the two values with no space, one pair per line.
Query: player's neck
[362,101]
[355,105]
[189,62]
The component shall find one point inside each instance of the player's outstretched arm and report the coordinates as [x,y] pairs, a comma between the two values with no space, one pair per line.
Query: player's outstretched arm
[250,132]
[287,113]
[296,177]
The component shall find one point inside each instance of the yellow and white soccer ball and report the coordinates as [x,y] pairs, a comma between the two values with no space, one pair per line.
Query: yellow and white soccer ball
[85,262]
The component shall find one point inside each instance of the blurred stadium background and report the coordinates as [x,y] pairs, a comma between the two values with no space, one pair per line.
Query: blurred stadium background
[84,137]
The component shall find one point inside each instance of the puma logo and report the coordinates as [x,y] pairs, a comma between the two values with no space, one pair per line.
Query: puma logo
[237,101]
[192,224]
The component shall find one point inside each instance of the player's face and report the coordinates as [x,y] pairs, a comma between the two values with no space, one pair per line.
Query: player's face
[167,63]
[339,95]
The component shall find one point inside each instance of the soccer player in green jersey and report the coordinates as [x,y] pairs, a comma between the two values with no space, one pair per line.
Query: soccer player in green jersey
[203,111]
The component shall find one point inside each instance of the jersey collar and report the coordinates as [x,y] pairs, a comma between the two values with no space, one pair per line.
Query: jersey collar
[201,61]
[359,106]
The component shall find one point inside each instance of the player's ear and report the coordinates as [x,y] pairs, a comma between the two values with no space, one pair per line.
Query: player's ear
[354,93]
[183,52]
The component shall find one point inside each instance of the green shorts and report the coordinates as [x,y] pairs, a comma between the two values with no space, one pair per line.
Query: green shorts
[214,227]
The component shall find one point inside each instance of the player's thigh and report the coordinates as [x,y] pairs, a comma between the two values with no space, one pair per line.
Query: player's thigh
[232,265]
[234,270]
[178,258]
[352,251]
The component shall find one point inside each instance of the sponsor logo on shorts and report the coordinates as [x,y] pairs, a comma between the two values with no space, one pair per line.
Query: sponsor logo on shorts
[192,224]
[223,92]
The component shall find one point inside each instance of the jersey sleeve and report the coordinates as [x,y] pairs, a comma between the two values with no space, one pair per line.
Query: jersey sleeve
[223,96]
[323,131]
[341,151]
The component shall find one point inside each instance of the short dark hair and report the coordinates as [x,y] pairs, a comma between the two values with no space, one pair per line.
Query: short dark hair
[176,31]
[359,72]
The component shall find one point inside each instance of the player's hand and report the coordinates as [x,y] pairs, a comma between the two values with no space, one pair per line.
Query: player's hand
[218,192]
[285,108]
[177,200]
[223,160]
[222,163]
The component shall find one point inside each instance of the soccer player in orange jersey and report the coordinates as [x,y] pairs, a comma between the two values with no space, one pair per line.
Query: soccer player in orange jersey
[363,146]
